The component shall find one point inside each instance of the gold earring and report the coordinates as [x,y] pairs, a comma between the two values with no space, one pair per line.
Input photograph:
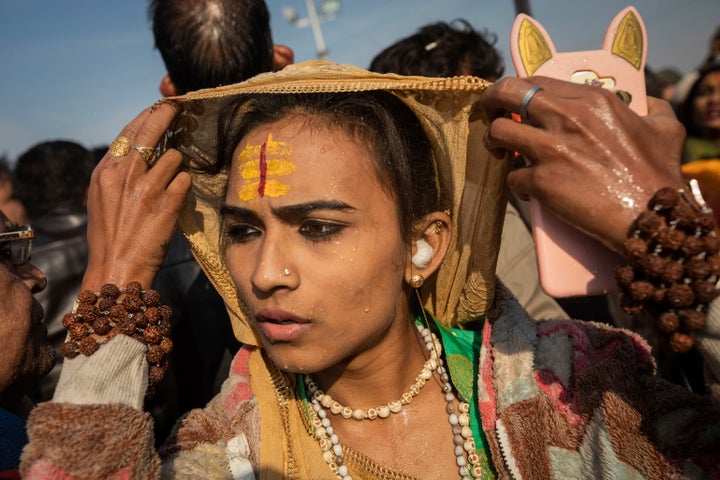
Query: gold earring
[438,227]
[417,280]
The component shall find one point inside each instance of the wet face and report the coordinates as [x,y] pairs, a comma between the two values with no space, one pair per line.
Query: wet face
[314,245]
[706,106]
[25,354]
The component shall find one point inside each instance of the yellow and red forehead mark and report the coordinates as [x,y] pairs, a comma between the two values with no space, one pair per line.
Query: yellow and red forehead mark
[260,162]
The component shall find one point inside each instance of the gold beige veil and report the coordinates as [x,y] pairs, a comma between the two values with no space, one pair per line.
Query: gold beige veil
[464,286]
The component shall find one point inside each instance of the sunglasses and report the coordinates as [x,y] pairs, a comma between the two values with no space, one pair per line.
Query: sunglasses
[17,245]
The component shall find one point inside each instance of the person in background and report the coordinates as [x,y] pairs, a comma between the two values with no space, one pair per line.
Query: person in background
[713,55]
[203,44]
[652,83]
[683,86]
[52,179]
[697,104]
[700,113]
[208,43]
[25,352]
[668,79]
[446,50]
[442,50]
[99,152]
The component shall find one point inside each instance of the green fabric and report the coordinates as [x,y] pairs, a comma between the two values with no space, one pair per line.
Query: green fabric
[462,358]
[699,149]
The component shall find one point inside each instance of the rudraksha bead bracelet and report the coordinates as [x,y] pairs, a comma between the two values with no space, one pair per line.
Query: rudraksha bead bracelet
[673,265]
[99,316]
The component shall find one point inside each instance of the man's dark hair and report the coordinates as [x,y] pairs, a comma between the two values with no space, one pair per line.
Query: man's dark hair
[443,50]
[208,43]
[53,177]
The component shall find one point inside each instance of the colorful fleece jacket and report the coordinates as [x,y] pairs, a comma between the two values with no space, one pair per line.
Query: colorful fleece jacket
[559,399]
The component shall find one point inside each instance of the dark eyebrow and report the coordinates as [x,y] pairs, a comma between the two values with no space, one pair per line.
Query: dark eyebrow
[233,211]
[288,211]
[303,208]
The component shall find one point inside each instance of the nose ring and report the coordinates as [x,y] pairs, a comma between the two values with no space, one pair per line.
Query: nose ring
[286,272]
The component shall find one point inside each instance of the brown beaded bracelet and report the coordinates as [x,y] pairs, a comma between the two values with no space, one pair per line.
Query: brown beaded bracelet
[673,265]
[132,311]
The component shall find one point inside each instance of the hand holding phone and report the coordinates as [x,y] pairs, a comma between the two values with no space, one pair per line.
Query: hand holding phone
[571,263]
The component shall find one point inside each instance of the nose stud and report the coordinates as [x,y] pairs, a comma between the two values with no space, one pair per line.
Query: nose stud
[286,272]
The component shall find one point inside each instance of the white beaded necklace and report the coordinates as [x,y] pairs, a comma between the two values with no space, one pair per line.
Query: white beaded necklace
[383,411]
[468,462]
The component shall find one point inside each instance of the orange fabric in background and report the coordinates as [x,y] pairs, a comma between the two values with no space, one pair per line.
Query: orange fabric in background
[707,173]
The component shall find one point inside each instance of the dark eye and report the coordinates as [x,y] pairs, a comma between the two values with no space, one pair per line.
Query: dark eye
[241,232]
[317,230]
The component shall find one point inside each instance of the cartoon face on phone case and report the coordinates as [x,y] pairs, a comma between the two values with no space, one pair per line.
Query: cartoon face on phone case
[571,263]
[619,66]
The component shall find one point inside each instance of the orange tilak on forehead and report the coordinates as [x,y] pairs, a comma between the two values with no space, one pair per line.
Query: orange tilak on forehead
[258,163]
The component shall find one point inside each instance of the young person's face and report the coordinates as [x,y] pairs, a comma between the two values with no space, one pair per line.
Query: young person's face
[706,106]
[314,245]
[25,354]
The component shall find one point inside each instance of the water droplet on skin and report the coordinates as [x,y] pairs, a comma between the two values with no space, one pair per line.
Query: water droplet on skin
[628,202]
[621,186]
[404,415]
[366,309]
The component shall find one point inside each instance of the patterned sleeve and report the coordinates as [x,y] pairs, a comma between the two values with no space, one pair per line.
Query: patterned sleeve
[112,441]
[223,439]
[95,428]
[658,428]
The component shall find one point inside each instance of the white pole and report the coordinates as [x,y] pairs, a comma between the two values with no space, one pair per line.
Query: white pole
[317,32]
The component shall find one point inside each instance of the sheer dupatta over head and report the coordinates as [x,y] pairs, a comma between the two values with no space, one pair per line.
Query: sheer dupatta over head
[471,179]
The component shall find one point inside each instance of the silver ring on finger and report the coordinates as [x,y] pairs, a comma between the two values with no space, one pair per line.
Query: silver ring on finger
[526,100]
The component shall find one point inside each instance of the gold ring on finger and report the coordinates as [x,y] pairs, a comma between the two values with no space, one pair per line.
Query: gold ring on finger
[148,154]
[119,147]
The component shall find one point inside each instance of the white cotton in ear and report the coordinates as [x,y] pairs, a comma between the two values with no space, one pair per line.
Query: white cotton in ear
[423,255]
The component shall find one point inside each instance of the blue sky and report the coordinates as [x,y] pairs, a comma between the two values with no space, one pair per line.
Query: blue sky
[80,69]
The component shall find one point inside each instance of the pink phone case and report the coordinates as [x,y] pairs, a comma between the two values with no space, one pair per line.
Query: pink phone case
[571,263]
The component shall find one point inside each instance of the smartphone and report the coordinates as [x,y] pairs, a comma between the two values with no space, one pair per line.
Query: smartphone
[571,263]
